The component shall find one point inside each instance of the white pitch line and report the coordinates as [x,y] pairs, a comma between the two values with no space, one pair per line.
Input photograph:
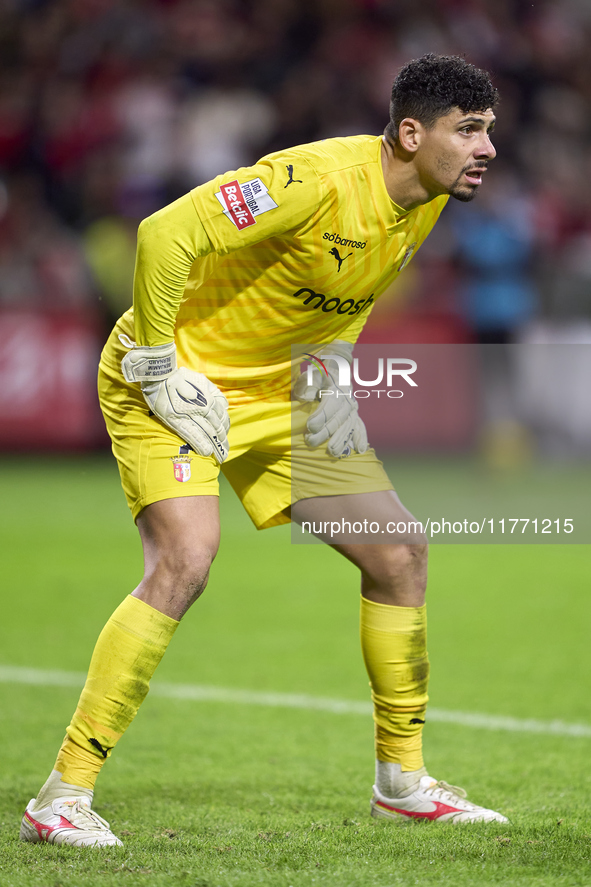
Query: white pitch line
[37,677]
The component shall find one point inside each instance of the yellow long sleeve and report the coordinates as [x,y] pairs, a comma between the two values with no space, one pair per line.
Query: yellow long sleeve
[169,241]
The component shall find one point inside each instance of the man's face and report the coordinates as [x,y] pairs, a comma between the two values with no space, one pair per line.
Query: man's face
[454,153]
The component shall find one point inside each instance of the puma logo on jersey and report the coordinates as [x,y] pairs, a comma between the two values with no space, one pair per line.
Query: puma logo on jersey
[334,252]
[290,180]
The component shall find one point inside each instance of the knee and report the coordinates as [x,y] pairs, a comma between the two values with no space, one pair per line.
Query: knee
[395,562]
[395,575]
[186,568]
[176,576]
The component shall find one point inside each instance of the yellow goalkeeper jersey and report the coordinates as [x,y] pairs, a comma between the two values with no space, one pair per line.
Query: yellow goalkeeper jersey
[297,249]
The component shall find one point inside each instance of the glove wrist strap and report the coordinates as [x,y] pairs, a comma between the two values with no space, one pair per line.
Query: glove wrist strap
[149,363]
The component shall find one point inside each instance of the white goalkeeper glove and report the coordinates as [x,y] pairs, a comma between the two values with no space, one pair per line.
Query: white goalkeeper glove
[336,420]
[184,400]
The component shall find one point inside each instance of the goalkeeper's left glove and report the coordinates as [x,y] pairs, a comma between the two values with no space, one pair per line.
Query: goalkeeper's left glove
[336,420]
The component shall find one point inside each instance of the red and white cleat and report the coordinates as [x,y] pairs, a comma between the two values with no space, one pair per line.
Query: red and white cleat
[67,821]
[435,801]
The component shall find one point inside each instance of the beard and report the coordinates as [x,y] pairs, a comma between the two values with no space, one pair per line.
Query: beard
[465,193]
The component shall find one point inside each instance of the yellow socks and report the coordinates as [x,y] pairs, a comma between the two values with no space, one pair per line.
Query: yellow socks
[133,641]
[126,655]
[394,644]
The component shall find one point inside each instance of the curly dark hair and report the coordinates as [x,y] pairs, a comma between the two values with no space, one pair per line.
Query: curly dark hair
[430,87]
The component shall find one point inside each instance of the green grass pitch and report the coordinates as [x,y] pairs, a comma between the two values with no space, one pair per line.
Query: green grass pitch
[206,794]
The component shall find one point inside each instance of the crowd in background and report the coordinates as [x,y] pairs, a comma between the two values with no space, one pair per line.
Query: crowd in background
[109,109]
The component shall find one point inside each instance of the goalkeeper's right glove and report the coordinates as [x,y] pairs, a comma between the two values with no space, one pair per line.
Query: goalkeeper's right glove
[184,400]
[336,420]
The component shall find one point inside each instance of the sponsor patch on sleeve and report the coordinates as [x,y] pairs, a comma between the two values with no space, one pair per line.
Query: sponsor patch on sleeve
[242,202]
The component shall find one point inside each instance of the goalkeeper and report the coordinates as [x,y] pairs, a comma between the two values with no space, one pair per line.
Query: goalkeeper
[197,378]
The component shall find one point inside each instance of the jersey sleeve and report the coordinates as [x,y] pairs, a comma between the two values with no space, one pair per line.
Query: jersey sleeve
[169,241]
[235,210]
[240,208]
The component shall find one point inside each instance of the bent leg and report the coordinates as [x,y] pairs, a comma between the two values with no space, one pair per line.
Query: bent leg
[393,629]
[394,646]
[180,539]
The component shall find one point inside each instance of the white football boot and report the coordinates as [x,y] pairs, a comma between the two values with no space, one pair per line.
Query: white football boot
[401,795]
[66,821]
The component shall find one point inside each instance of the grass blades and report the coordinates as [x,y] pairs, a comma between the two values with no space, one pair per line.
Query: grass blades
[214,795]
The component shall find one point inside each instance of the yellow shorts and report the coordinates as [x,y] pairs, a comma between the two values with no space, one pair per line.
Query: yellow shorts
[269,465]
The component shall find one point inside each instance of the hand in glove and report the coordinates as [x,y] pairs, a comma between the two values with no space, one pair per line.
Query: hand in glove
[336,420]
[184,400]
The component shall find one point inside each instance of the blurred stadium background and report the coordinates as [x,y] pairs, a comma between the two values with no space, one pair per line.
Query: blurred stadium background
[110,109]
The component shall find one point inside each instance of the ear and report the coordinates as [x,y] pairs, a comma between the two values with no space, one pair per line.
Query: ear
[410,133]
